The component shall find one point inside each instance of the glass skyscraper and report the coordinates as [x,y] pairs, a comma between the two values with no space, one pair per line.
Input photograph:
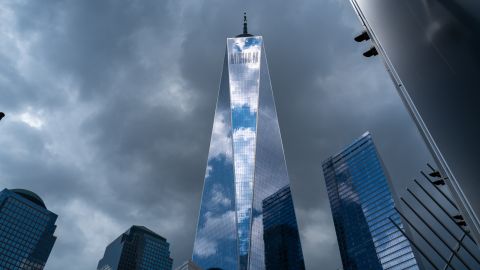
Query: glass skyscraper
[280,232]
[245,165]
[137,249]
[361,203]
[26,230]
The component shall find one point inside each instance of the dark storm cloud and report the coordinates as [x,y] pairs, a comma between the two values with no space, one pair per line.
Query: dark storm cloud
[110,108]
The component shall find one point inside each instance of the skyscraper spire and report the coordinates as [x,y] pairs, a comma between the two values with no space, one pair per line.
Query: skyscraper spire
[245,27]
[245,30]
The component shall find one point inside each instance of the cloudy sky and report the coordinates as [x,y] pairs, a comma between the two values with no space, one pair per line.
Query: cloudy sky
[110,107]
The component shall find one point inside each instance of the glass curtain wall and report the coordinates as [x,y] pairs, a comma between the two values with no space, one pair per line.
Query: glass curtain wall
[246,164]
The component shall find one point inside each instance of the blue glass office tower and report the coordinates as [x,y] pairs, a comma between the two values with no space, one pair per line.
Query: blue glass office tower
[361,203]
[245,165]
[280,232]
[26,230]
[137,249]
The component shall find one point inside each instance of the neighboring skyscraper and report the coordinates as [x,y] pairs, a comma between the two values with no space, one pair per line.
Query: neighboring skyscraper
[188,265]
[26,230]
[361,203]
[137,249]
[280,233]
[246,163]
[431,50]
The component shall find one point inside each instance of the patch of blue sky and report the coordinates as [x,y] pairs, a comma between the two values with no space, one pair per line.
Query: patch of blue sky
[252,41]
[243,117]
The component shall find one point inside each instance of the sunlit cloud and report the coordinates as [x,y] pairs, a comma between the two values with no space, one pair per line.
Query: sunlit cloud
[31,118]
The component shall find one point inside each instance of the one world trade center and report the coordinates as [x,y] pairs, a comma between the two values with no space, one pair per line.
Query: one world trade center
[247,219]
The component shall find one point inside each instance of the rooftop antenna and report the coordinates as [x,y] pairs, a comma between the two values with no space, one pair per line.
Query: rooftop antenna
[245,30]
[245,27]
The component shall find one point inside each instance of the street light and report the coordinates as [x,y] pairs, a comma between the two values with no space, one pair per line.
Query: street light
[371,52]
[362,37]
[2,115]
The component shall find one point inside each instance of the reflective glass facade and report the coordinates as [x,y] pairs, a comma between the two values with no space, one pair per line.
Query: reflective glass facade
[137,249]
[245,165]
[280,232]
[361,203]
[26,230]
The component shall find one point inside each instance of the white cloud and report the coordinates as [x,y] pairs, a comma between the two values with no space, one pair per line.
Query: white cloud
[218,198]
[221,141]
[32,119]
[317,235]
[317,230]
[15,47]
[208,171]
[244,160]
[212,232]
[244,92]
[89,225]
[209,247]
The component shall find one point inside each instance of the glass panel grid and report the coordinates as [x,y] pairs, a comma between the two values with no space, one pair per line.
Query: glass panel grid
[246,173]
[361,203]
[26,232]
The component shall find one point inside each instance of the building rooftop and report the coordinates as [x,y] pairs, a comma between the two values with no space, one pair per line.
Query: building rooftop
[347,149]
[31,196]
[136,228]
